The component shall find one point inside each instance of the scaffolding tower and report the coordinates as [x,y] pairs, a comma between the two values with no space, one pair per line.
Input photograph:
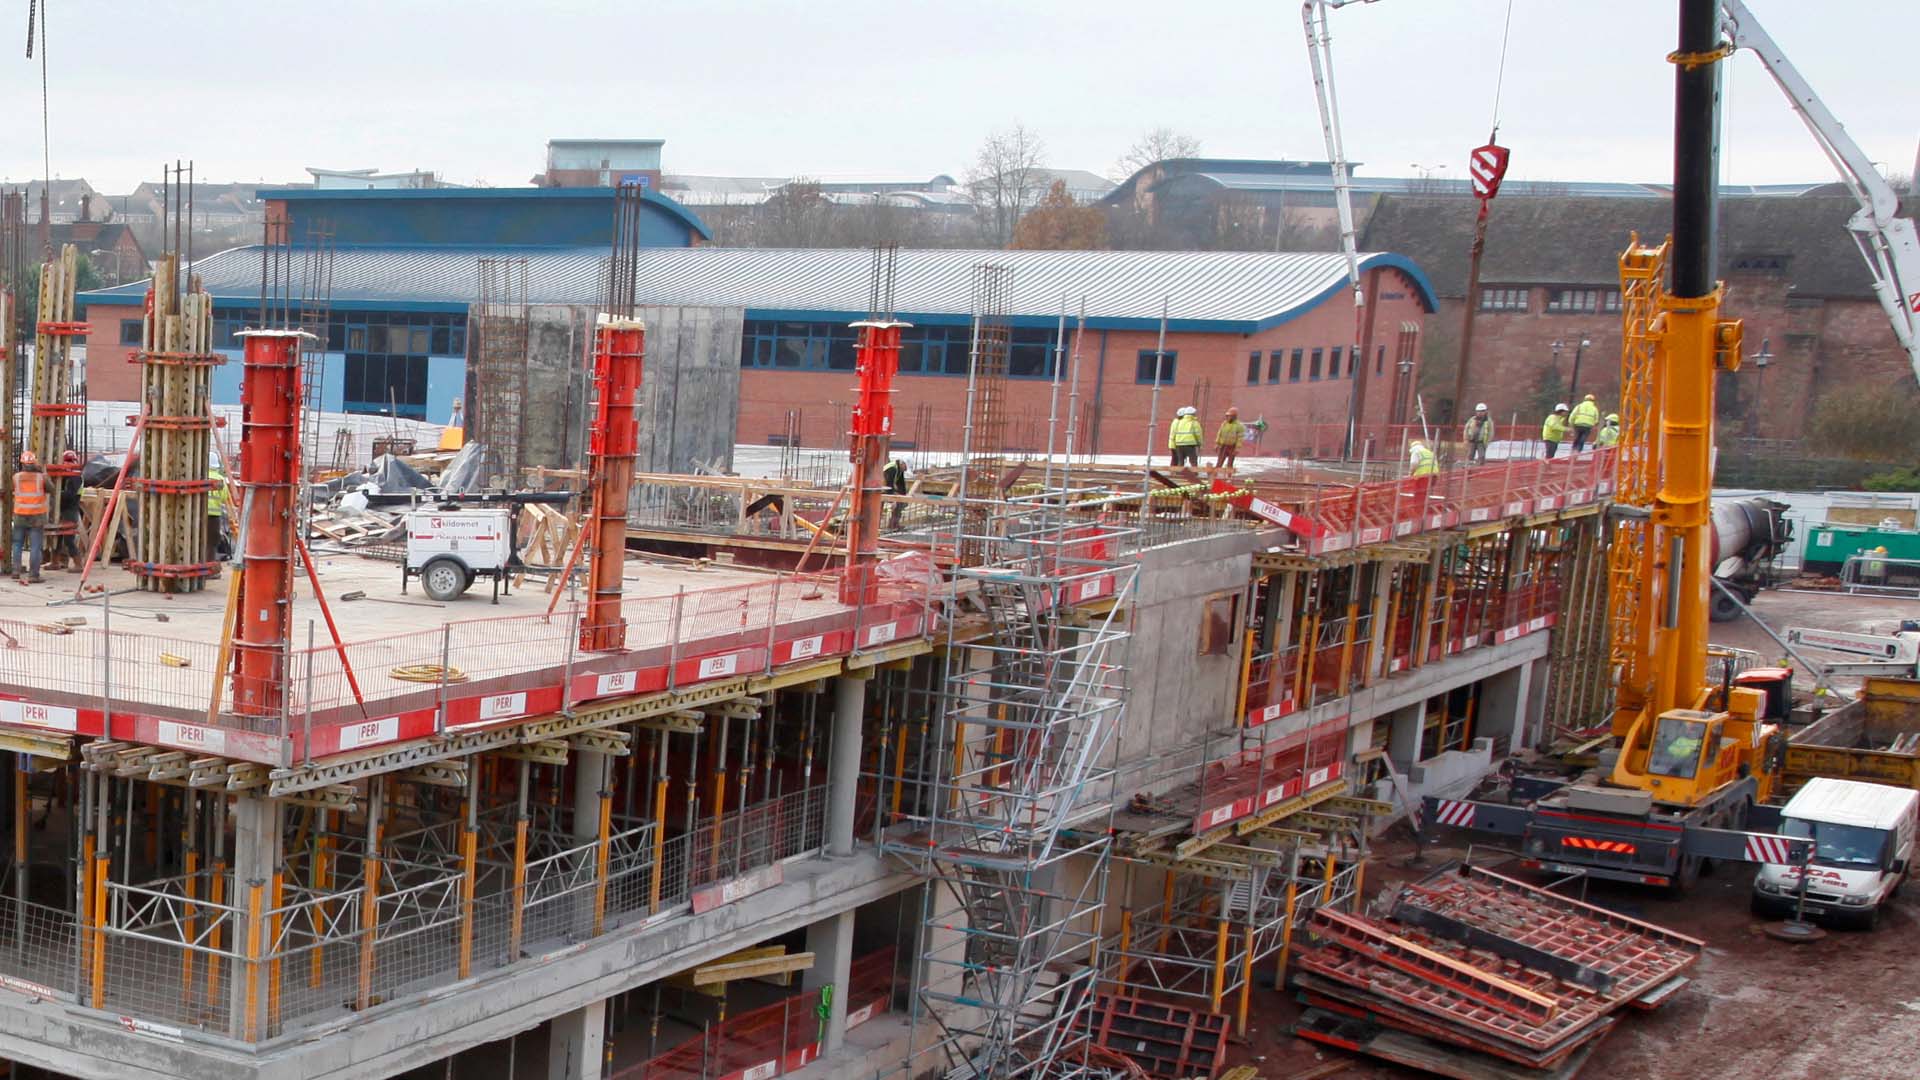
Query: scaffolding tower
[1013,831]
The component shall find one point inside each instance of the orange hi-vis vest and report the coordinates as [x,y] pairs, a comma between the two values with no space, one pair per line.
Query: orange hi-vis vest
[29,493]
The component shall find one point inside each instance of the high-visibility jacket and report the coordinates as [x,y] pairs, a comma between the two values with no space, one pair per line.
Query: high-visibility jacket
[1230,433]
[217,498]
[1585,414]
[29,493]
[895,474]
[1607,436]
[1184,432]
[1423,462]
[1479,429]
[1555,429]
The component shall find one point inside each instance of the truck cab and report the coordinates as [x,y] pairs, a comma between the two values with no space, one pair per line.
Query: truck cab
[1864,837]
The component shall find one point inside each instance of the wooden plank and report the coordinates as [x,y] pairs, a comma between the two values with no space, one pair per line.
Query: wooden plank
[752,969]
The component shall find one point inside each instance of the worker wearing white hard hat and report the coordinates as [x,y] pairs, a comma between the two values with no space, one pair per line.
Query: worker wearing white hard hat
[1478,434]
[1554,430]
[1183,437]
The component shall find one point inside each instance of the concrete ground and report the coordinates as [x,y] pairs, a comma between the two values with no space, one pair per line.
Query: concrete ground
[1847,1006]
[1784,608]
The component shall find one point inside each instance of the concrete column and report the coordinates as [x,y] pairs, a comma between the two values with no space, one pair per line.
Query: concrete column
[256,855]
[589,776]
[843,768]
[577,1043]
[1531,724]
[1382,592]
[831,942]
[1503,705]
[589,779]
[1403,735]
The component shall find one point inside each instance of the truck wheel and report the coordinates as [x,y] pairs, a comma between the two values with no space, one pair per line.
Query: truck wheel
[1685,876]
[1867,920]
[444,579]
[1723,609]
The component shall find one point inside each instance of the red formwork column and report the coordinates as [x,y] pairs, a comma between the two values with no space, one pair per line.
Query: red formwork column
[619,350]
[269,434]
[877,361]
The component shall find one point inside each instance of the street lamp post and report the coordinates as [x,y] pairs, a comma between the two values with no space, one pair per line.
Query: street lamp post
[1573,384]
[1760,361]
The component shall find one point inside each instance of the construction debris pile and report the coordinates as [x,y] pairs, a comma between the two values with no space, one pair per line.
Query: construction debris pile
[1469,971]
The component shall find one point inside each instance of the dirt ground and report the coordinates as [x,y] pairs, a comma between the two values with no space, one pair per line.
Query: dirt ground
[1844,1008]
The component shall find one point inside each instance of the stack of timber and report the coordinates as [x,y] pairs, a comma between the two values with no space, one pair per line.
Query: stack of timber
[176,370]
[1476,975]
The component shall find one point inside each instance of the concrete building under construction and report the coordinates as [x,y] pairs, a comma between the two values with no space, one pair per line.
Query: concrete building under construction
[755,777]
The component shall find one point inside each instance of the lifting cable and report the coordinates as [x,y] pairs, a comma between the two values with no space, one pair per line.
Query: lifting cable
[1500,73]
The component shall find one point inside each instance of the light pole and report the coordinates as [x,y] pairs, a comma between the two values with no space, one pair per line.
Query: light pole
[1573,384]
[1760,361]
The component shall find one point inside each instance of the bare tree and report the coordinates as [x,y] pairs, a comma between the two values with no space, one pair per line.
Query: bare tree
[796,216]
[1160,144]
[1008,176]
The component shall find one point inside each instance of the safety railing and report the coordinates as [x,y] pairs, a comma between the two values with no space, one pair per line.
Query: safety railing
[1283,766]
[774,1039]
[170,692]
[1334,517]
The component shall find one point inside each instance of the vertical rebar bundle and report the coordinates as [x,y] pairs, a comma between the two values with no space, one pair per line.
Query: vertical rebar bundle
[57,397]
[14,261]
[497,399]
[985,439]
[177,359]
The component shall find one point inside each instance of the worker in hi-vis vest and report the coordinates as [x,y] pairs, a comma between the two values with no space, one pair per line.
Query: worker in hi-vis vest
[1609,433]
[1226,441]
[1554,431]
[30,508]
[1420,459]
[1478,433]
[1183,437]
[1586,416]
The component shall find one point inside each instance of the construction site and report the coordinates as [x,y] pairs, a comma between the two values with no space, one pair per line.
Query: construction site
[571,741]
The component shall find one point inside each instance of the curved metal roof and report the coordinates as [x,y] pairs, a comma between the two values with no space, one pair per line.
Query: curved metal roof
[1224,291]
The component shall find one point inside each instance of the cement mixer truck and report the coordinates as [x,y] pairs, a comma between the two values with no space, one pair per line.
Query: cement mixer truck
[1747,534]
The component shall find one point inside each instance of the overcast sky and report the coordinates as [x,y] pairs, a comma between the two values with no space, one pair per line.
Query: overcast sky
[472,89]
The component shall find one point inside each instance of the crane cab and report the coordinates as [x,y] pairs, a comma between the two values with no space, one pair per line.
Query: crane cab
[1686,756]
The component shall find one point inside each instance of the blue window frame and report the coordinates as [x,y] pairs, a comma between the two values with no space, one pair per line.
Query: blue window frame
[1253,367]
[1275,361]
[1169,367]
[1293,365]
[1313,367]
[131,331]
[924,350]
[1333,361]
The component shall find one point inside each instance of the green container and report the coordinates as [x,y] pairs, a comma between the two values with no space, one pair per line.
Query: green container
[1829,546]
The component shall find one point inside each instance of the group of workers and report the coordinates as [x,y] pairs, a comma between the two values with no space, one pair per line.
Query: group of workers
[32,509]
[1583,421]
[1580,420]
[1184,435]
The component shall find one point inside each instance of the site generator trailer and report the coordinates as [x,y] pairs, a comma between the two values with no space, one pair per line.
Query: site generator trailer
[448,549]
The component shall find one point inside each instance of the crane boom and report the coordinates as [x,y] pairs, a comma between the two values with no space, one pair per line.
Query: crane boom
[1887,241]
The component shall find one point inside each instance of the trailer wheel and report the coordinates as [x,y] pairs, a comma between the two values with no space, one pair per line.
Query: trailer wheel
[444,579]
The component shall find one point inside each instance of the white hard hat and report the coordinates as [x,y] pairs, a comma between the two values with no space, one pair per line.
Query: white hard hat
[1482,407]
[1185,410]
[1562,407]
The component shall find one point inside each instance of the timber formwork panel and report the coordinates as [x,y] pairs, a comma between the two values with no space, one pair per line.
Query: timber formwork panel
[57,400]
[175,427]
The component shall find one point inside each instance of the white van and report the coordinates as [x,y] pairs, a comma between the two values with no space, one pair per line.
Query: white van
[1863,836]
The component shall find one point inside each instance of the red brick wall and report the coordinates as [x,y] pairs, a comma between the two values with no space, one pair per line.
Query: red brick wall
[1210,374]
[1816,344]
[110,377]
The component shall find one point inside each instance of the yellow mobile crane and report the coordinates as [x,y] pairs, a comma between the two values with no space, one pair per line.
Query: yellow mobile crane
[1696,762]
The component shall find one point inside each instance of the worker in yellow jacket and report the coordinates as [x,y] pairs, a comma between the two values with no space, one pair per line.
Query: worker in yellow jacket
[1554,431]
[1226,441]
[1183,437]
[1585,417]
[1609,433]
[1420,459]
